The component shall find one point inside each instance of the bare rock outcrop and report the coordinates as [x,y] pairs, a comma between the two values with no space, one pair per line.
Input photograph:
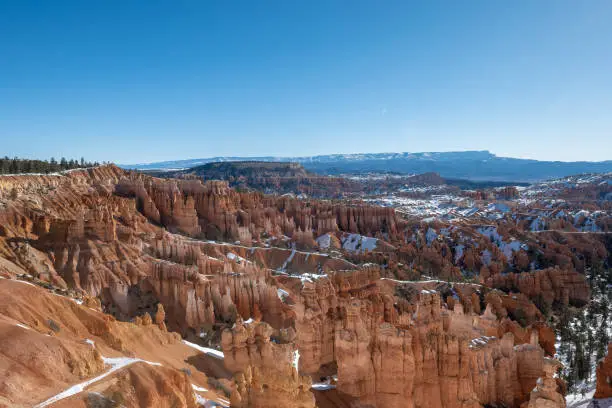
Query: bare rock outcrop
[265,371]
[428,366]
[136,243]
[604,376]
[546,394]
[552,284]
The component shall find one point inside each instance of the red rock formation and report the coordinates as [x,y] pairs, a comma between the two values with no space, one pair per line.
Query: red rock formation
[604,376]
[546,394]
[412,358]
[49,343]
[508,193]
[266,373]
[191,207]
[99,233]
[138,385]
[437,366]
[551,284]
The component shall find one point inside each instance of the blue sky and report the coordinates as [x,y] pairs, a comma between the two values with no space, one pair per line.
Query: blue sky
[137,81]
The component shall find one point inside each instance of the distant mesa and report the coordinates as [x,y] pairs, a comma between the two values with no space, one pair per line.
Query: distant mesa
[293,178]
[470,165]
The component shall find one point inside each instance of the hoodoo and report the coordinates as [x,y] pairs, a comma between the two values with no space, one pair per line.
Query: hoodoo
[280,301]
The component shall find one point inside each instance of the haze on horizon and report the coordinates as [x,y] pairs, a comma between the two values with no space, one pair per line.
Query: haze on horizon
[135,82]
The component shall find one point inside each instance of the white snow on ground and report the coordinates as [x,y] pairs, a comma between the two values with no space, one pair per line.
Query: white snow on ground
[323,386]
[426,279]
[481,341]
[91,342]
[537,224]
[289,259]
[22,281]
[491,233]
[77,301]
[324,241]
[232,256]
[458,252]
[430,236]
[310,277]
[587,401]
[201,401]
[206,403]
[296,360]
[205,350]
[437,205]
[576,399]
[197,388]
[358,243]
[23,326]
[601,403]
[304,277]
[468,212]
[498,207]
[282,294]
[250,248]
[116,363]
[508,248]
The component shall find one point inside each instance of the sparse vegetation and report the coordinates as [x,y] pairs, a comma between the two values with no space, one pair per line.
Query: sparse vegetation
[583,334]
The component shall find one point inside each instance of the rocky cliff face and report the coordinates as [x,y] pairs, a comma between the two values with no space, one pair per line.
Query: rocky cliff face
[546,393]
[163,254]
[51,342]
[553,284]
[604,376]
[214,210]
[266,369]
[429,356]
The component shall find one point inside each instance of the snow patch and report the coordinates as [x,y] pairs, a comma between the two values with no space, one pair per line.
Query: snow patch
[481,341]
[205,350]
[116,364]
[323,386]
[296,360]
[324,241]
[458,252]
[197,388]
[289,259]
[358,243]
[282,294]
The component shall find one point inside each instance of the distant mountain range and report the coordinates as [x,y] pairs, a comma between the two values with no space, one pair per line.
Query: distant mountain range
[470,165]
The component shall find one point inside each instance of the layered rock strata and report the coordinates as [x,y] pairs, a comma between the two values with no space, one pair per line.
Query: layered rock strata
[266,371]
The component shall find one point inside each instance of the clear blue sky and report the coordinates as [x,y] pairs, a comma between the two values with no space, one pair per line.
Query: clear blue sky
[138,81]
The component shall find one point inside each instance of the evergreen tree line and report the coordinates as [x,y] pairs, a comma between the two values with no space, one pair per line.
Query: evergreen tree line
[584,334]
[16,165]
